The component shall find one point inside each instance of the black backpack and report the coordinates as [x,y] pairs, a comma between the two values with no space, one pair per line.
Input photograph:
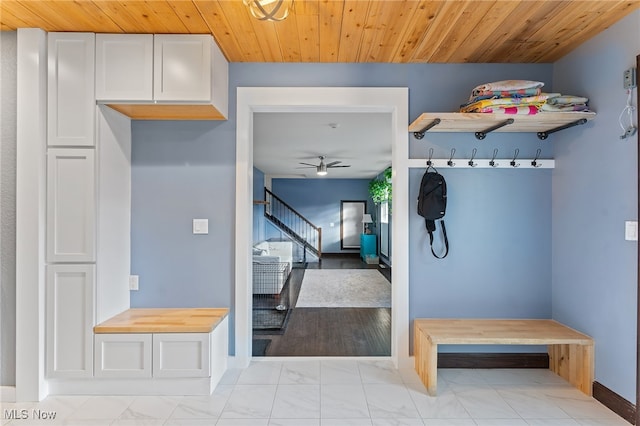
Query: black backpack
[432,204]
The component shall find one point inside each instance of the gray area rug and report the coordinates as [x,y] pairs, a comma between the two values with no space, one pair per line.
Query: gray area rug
[344,288]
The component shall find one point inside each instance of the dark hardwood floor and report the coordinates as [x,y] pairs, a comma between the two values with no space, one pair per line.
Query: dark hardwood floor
[327,331]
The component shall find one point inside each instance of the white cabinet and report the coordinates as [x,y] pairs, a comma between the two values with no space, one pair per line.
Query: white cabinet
[123,355]
[181,355]
[71,89]
[71,205]
[162,76]
[182,70]
[124,65]
[70,318]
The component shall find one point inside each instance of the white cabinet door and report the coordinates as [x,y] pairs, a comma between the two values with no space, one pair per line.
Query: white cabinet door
[70,320]
[123,355]
[71,205]
[124,67]
[181,355]
[182,67]
[71,93]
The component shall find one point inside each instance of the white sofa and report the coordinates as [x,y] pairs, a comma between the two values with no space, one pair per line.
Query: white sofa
[272,261]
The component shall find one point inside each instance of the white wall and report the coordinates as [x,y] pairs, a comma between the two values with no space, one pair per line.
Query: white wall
[8,58]
[594,270]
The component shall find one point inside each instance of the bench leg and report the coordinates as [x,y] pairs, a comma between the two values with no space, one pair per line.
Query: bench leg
[426,362]
[574,363]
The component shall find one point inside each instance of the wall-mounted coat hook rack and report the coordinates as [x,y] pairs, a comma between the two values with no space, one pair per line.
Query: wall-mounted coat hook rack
[535,162]
[493,163]
[473,155]
[483,134]
[450,163]
[484,163]
[515,156]
[544,135]
[420,133]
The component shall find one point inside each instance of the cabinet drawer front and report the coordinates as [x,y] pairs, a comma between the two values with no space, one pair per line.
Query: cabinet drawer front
[123,355]
[181,355]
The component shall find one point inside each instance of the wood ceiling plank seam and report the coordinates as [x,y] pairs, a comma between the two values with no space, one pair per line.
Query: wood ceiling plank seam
[269,41]
[215,20]
[470,17]
[554,20]
[237,13]
[437,32]
[308,30]
[481,31]
[287,32]
[86,16]
[190,16]
[354,16]
[149,17]
[34,13]
[423,19]
[165,15]
[373,26]
[330,16]
[387,41]
[118,11]
[606,17]
[383,20]
[505,32]
[8,21]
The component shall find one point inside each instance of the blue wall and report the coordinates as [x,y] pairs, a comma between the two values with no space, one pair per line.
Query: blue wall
[594,193]
[319,201]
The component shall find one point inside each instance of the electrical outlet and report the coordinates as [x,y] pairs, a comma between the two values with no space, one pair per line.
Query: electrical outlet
[631,230]
[629,78]
[133,282]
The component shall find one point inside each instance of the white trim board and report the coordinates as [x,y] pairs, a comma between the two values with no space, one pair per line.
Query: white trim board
[394,101]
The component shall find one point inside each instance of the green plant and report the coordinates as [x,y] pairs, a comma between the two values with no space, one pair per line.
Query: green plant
[380,189]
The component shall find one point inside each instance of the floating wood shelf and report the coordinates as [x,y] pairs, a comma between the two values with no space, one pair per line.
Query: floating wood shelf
[543,123]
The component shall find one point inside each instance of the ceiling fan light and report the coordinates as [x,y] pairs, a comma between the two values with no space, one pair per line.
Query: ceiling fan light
[322,170]
[269,10]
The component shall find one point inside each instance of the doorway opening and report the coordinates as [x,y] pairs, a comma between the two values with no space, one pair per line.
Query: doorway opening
[388,100]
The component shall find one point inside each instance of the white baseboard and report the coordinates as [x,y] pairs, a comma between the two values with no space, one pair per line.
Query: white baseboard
[7,394]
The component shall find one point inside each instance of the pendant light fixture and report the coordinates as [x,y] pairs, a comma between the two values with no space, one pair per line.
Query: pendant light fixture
[269,10]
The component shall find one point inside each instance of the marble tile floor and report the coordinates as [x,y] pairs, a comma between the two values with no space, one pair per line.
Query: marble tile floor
[339,392]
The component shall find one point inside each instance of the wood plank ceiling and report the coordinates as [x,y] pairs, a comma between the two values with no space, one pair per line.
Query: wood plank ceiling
[390,31]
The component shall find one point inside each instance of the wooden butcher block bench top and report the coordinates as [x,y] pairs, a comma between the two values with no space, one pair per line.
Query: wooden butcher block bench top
[164,320]
[570,352]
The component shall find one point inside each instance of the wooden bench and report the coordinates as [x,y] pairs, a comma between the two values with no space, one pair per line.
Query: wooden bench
[570,352]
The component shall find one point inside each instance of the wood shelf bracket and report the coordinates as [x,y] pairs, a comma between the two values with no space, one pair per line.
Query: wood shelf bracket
[420,133]
[483,134]
[544,135]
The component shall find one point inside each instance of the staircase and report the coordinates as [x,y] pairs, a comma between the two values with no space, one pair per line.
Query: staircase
[297,227]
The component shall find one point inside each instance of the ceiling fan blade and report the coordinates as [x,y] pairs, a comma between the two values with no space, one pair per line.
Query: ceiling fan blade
[331,164]
[310,165]
[333,167]
[307,167]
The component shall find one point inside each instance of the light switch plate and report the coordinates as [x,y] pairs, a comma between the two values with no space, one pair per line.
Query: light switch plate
[631,230]
[200,226]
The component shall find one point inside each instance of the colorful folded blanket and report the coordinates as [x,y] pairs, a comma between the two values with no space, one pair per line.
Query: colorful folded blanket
[564,108]
[514,110]
[568,100]
[506,85]
[530,100]
[490,94]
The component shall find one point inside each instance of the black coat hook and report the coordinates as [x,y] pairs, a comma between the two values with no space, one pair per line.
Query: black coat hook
[513,162]
[450,163]
[535,163]
[493,163]
[473,155]
[429,162]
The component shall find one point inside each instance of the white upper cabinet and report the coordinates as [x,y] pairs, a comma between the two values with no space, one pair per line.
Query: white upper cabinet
[162,76]
[124,65]
[182,69]
[71,205]
[71,89]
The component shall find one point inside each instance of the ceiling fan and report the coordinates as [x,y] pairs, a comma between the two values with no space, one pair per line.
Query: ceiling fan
[321,169]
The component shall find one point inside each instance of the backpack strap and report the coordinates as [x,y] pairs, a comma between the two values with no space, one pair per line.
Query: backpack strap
[431,226]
